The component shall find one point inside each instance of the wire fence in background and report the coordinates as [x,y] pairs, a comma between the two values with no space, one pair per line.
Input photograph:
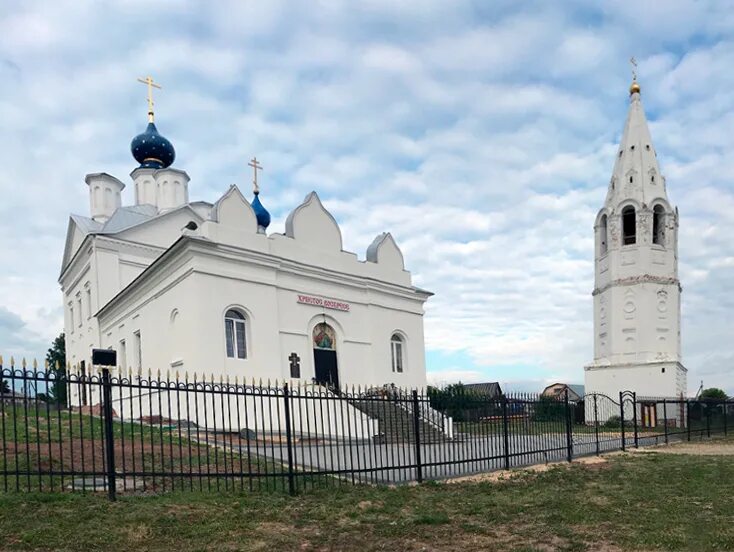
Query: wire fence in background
[126,433]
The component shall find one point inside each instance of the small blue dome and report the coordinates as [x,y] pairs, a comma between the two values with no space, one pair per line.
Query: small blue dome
[152,150]
[263,217]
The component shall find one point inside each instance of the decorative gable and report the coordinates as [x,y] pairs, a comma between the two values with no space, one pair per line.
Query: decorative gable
[233,209]
[384,251]
[311,224]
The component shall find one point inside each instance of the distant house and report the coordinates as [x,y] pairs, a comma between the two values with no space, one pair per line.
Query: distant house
[557,390]
[491,390]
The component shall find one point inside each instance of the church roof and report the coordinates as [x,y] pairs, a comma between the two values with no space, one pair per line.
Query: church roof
[86,224]
[636,175]
[127,217]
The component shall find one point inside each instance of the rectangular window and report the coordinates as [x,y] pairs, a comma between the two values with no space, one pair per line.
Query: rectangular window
[122,357]
[89,303]
[396,348]
[138,351]
[240,333]
[79,306]
[71,318]
[229,330]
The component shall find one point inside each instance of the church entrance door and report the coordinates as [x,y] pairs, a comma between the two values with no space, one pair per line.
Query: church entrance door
[324,356]
[325,364]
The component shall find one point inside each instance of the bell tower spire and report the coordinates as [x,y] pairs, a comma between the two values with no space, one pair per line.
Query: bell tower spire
[636,287]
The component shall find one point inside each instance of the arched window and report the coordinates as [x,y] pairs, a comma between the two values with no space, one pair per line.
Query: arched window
[658,225]
[629,226]
[396,347]
[234,328]
[603,235]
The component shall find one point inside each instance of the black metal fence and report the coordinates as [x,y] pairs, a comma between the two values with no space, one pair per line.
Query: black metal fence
[137,434]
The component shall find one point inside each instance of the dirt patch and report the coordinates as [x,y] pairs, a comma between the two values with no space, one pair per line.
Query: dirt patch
[703,448]
[592,462]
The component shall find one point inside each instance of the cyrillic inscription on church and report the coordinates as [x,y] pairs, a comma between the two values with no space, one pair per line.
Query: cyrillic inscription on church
[321,302]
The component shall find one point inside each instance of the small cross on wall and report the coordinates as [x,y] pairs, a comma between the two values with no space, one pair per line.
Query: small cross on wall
[295,365]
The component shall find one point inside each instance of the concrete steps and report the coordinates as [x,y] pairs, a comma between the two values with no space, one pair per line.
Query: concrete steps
[396,424]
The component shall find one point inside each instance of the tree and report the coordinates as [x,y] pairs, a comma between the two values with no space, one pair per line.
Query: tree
[4,387]
[56,357]
[714,393]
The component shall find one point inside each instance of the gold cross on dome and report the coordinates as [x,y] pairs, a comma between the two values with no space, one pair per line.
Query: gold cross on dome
[256,166]
[151,85]
[633,62]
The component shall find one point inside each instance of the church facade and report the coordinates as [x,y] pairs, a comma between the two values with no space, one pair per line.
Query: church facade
[637,340]
[174,285]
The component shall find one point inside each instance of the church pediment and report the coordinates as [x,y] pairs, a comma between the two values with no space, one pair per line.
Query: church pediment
[310,223]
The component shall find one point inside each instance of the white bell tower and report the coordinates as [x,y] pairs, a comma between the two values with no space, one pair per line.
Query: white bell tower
[636,287]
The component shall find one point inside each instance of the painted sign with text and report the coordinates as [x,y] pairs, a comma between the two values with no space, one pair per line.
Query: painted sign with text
[322,302]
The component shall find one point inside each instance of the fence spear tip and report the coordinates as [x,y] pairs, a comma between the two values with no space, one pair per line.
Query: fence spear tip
[1,360]
[12,362]
[23,363]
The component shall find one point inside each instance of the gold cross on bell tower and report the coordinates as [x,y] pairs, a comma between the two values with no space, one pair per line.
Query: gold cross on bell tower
[151,85]
[634,87]
[256,166]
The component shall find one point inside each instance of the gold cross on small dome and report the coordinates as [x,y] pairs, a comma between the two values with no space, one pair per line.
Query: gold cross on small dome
[256,166]
[151,85]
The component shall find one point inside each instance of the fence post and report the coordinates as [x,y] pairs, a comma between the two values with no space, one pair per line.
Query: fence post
[289,439]
[416,428]
[688,417]
[596,424]
[621,418]
[505,432]
[109,438]
[725,409]
[569,439]
[665,420]
[634,417]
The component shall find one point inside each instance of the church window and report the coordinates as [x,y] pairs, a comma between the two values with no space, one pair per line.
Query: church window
[138,351]
[324,337]
[658,225]
[629,226]
[396,348]
[603,235]
[630,180]
[122,357]
[71,317]
[620,153]
[89,303]
[234,327]
[79,306]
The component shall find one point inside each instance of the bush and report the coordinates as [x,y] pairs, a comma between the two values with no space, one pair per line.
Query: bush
[548,409]
[613,422]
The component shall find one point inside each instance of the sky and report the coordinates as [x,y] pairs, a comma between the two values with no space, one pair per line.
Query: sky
[482,135]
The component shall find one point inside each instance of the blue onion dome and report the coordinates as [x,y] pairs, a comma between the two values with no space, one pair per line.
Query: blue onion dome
[261,213]
[152,150]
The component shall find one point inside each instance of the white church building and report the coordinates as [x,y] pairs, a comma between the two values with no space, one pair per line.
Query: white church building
[637,345]
[198,287]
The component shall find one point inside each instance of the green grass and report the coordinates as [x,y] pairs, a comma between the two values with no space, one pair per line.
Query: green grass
[35,440]
[637,502]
